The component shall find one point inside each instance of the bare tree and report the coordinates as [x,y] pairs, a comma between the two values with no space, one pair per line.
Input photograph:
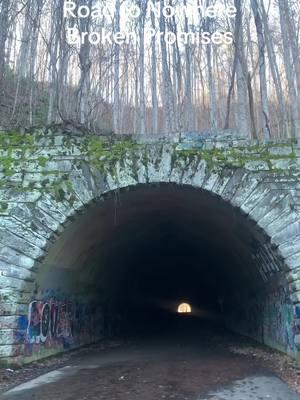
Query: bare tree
[262,70]
[154,79]
[251,85]
[4,18]
[241,74]
[116,63]
[293,97]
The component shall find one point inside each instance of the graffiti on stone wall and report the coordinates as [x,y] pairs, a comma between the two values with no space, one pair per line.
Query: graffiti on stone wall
[278,319]
[49,320]
[55,323]
[270,319]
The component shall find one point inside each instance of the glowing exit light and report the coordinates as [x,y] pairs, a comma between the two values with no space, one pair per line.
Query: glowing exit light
[184,308]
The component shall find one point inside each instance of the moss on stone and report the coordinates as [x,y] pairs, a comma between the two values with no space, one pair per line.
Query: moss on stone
[3,206]
[7,163]
[105,155]
[16,139]
[233,157]
[59,193]
[42,161]
[69,186]
[108,154]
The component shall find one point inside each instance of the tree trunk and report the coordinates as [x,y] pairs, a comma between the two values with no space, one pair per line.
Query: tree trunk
[3,38]
[294,100]
[85,65]
[262,71]
[188,111]
[142,115]
[242,74]
[116,89]
[154,80]
[275,73]
[168,98]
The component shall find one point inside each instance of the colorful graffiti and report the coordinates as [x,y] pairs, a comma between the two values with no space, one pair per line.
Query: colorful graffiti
[59,324]
[49,320]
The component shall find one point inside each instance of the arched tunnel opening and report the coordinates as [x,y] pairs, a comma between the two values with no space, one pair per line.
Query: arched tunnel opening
[123,266]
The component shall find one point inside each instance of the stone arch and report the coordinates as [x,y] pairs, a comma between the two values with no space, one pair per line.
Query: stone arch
[262,188]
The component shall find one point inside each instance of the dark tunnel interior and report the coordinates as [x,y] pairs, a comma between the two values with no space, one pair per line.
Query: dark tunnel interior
[186,246]
[139,252]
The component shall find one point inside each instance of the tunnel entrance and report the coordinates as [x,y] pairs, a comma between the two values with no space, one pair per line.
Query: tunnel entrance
[131,257]
[184,308]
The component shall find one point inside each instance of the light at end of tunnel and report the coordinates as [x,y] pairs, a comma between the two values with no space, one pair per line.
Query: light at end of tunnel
[184,308]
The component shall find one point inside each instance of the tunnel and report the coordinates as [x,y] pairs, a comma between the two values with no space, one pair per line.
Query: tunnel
[125,263]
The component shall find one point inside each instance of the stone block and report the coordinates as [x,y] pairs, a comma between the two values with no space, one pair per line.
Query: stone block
[257,165]
[11,350]
[29,249]
[12,256]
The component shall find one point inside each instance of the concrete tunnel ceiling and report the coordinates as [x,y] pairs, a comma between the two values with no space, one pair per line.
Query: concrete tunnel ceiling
[144,249]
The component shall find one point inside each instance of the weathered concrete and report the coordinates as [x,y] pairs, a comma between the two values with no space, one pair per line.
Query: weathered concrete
[49,178]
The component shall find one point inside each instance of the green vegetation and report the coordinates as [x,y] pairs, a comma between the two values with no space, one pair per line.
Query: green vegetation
[107,154]
[236,157]
[3,206]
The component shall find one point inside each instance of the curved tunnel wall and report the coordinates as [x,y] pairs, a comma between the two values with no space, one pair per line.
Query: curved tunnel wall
[143,250]
[74,239]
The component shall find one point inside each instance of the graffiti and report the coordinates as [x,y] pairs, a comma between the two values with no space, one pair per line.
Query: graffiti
[278,319]
[270,318]
[20,333]
[297,311]
[49,320]
[55,323]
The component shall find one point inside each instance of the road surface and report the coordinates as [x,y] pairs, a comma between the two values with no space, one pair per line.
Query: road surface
[178,366]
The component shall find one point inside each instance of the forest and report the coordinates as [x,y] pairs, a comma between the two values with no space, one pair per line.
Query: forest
[148,85]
